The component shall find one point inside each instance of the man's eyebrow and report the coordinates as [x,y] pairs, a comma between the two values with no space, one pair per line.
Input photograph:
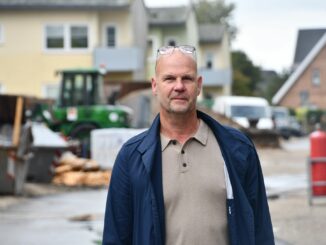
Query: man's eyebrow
[168,76]
[188,76]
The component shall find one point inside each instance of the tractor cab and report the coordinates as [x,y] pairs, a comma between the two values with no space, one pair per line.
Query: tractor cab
[81,88]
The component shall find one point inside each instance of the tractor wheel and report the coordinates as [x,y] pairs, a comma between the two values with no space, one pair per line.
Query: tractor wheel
[82,132]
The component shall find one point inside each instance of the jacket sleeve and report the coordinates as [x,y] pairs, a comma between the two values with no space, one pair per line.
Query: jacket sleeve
[256,193]
[118,213]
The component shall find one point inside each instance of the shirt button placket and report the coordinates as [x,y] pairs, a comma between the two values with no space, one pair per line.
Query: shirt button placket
[184,165]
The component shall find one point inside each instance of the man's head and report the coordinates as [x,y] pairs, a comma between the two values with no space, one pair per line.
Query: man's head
[176,83]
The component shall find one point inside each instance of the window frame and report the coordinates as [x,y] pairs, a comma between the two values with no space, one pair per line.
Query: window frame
[105,36]
[304,97]
[67,46]
[315,75]
[70,36]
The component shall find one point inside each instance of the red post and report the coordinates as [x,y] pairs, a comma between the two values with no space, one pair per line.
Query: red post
[318,168]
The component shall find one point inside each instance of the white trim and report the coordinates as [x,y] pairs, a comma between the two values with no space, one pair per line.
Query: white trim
[105,38]
[2,34]
[298,72]
[66,38]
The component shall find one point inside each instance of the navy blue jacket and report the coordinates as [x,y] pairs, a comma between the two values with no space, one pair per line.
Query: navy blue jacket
[135,206]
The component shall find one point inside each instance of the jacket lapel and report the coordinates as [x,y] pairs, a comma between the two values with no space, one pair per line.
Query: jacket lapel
[150,149]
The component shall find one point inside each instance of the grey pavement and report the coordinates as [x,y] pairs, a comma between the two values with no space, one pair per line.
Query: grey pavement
[48,219]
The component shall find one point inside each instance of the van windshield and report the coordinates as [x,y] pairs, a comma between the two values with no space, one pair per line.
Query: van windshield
[251,112]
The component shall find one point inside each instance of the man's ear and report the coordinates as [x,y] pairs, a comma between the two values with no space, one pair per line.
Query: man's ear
[199,84]
[154,88]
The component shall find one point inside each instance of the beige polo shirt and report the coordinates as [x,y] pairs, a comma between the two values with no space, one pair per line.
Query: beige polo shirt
[194,190]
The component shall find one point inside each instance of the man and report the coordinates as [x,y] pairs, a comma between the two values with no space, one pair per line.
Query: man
[188,179]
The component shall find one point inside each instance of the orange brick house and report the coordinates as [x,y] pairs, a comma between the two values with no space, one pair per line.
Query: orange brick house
[306,87]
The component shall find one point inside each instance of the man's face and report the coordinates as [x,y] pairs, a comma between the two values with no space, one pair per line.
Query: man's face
[176,84]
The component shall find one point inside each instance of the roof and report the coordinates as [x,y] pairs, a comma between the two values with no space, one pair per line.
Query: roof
[210,33]
[301,68]
[307,39]
[168,16]
[63,4]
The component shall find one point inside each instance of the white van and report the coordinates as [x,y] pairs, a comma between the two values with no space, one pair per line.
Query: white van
[249,112]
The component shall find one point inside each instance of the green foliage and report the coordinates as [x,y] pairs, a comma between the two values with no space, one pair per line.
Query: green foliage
[216,12]
[245,74]
[309,118]
[276,84]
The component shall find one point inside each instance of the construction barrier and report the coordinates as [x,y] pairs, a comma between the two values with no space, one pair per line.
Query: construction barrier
[317,165]
[106,143]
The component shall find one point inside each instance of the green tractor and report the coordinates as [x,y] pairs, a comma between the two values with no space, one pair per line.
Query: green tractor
[81,107]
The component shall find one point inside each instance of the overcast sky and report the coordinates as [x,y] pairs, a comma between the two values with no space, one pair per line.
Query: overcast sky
[267,30]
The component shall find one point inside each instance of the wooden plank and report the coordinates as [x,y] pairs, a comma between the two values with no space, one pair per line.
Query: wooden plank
[18,121]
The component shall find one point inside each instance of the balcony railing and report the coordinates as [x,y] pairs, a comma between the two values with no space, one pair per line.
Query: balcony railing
[216,77]
[119,59]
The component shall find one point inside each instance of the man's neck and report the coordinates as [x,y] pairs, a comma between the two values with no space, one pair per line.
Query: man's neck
[179,127]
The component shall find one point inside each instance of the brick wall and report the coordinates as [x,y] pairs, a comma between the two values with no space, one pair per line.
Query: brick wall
[317,94]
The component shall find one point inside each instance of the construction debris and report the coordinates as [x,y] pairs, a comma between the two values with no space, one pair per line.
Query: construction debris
[75,171]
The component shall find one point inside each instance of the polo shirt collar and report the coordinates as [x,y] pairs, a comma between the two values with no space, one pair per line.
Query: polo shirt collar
[201,136]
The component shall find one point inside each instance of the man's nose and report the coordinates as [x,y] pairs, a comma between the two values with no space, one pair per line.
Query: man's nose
[179,84]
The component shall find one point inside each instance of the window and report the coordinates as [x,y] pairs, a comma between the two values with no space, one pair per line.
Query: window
[171,41]
[110,36]
[304,98]
[315,77]
[2,34]
[66,37]
[54,37]
[78,37]
[150,49]
[209,60]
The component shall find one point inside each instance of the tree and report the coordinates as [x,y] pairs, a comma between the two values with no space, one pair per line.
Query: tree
[210,11]
[276,84]
[245,74]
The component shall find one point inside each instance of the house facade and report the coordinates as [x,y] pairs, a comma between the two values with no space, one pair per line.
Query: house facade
[306,87]
[214,60]
[177,26]
[39,38]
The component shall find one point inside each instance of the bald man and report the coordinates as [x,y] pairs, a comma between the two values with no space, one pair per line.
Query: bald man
[187,180]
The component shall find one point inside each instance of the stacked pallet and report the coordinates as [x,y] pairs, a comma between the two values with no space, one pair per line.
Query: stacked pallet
[74,171]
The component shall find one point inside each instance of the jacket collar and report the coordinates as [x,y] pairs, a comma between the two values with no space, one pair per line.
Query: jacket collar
[150,143]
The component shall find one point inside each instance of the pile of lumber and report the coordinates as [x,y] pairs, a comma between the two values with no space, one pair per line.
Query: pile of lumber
[74,171]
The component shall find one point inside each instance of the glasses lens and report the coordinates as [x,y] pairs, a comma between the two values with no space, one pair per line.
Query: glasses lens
[187,49]
[165,50]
